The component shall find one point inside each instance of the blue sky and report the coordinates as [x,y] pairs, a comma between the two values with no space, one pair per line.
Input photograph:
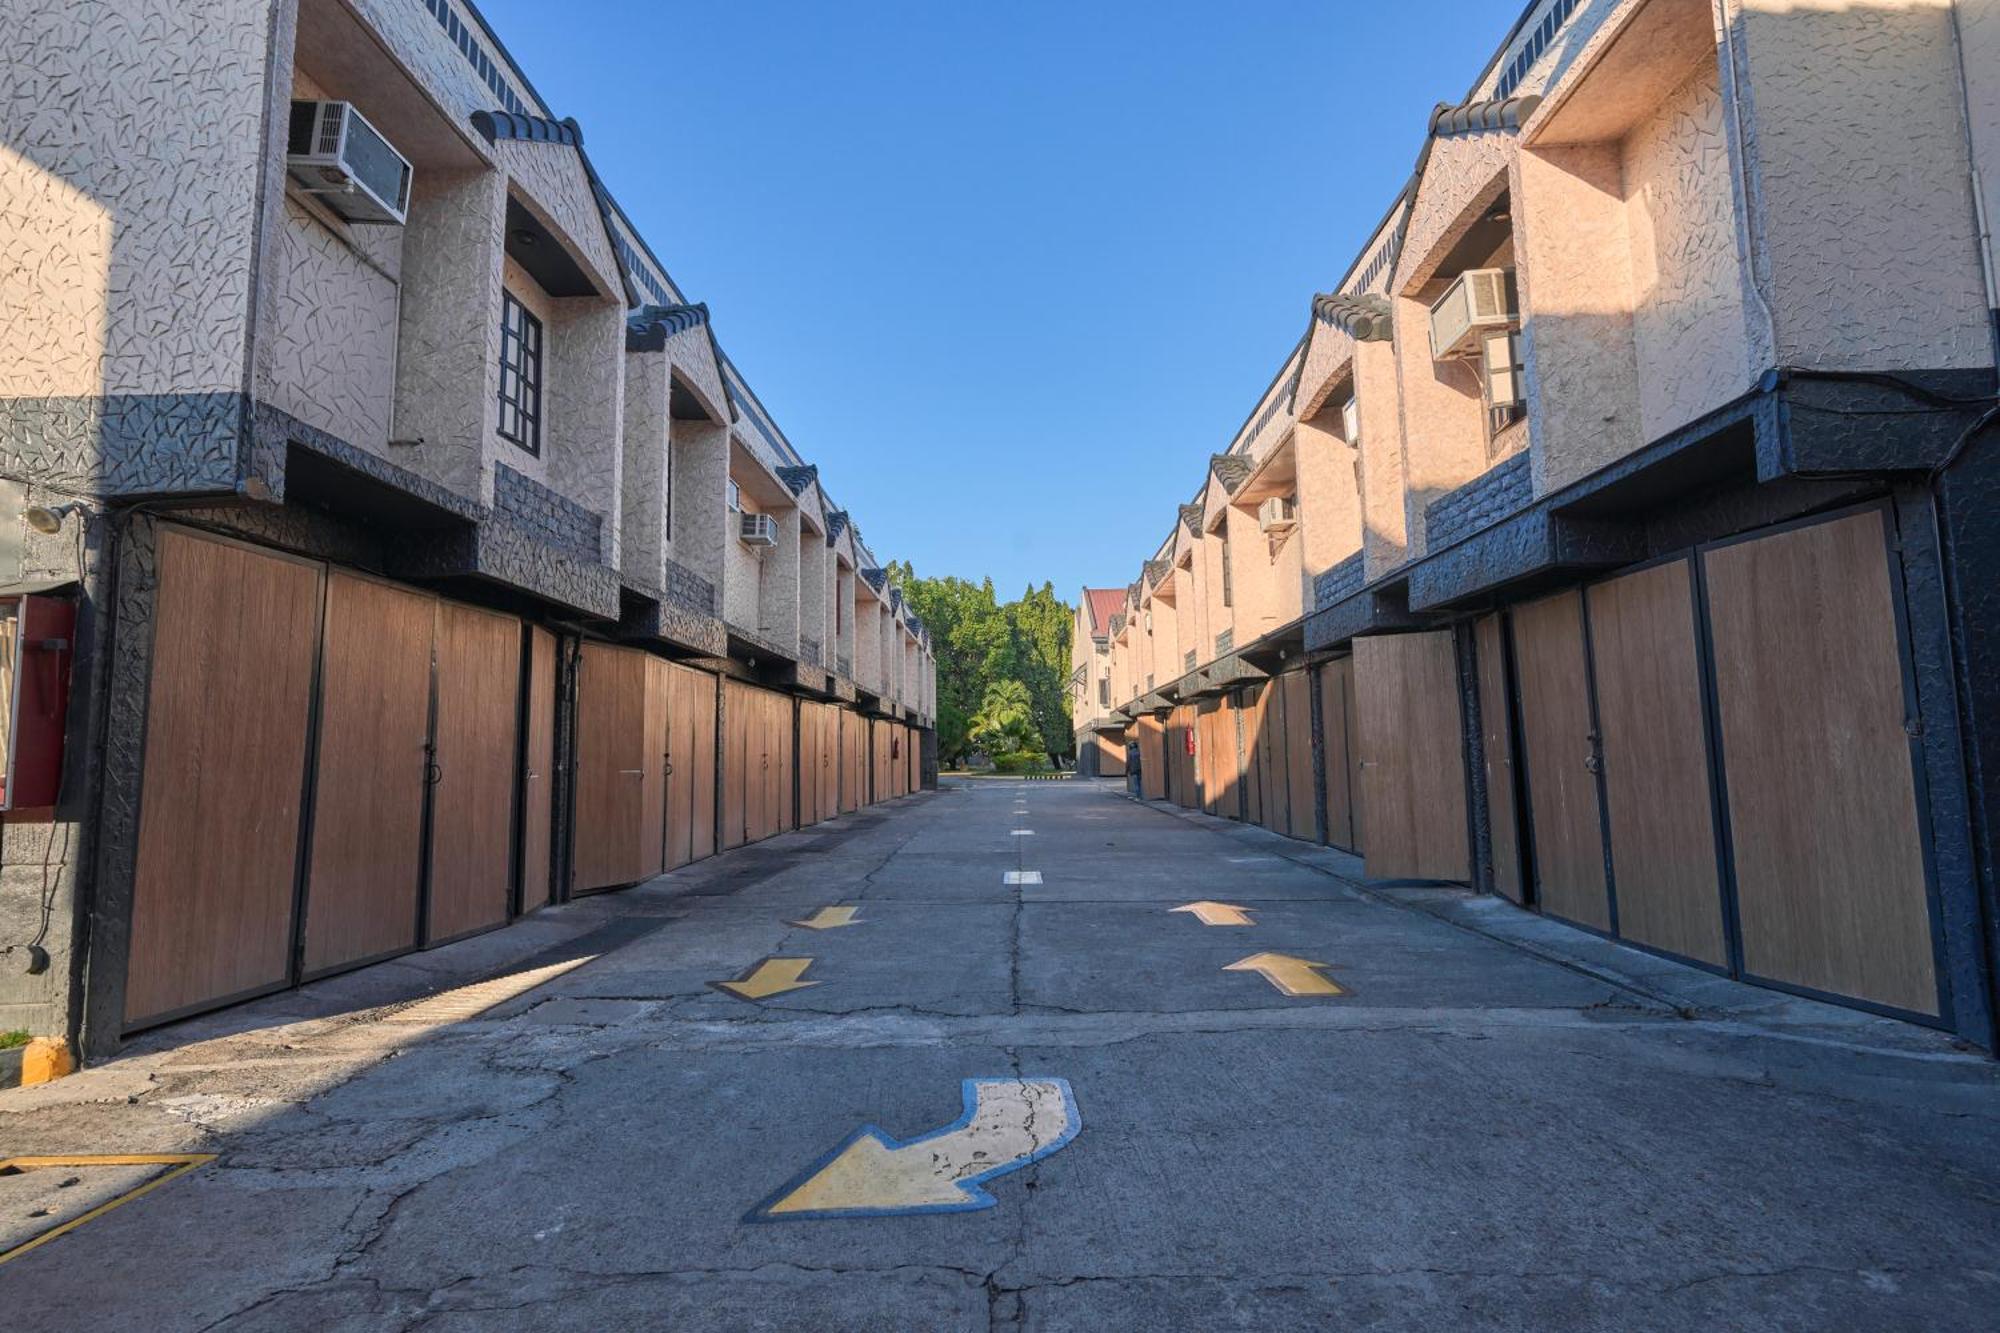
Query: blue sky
[1008,273]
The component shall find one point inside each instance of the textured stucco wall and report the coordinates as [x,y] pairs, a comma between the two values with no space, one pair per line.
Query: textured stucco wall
[742,575]
[1329,499]
[643,508]
[1858,170]
[447,367]
[1265,571]
[585,403]
[426,51]
[867,639]
[1329,359]
[699,471]
[328,356]
[814,576]
[1379,459]
[1444,422]
[1688,332]
[1575,273]
[844,595]
[131,149]
[778,590]
[548,178]
[1466,173]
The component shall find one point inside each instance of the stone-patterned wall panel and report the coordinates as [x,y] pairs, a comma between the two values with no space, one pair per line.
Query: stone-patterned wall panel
[1480,503]
[552,517]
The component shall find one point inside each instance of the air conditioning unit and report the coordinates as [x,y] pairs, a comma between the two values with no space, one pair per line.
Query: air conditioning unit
[1280,513]
[1350,421]
[1480,302]
[758,530]
[1502,372]
[333,152]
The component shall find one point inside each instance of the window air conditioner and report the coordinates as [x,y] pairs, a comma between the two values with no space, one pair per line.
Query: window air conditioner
[1502,376]
[333,152]
[758,530]
[1280,513]
[1350,421]
[1480,302]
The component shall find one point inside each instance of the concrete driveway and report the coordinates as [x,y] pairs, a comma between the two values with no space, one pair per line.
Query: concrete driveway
[1047,1105]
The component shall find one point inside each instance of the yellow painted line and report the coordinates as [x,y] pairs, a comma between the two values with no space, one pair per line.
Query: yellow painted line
[829,918]
[182,1163]
[1297,977]
[1218,914]
[773,976]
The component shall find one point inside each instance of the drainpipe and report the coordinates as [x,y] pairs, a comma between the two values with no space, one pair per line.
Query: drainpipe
[1725,20]
[1982,225]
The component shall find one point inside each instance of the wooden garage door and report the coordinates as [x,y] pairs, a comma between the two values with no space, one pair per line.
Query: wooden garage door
[1811,698]
[1497,728]
[1183,740]
[538,777]
[1297,695]
[853,761]
[881,779]
[1262,718]
[1656,773]
[703,759]
[235,636]
[691,773]
[1151,734]
[810,755]
[472,797]
[1110,753]
[1337,753]
[913,759]
[1215,752]
[364,877]
[610,766]
[1559,749]
[1412,756]
[740,795]
[656,724]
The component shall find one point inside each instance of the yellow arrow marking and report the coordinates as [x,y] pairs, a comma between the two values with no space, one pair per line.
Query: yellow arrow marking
[1292,976]
[773,976]
[829,918]
[1218,914]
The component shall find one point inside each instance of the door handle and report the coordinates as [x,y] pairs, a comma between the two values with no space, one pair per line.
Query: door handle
[635,772]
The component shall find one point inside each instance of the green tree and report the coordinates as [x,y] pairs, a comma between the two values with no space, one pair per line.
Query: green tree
[979,642]
[1005,723]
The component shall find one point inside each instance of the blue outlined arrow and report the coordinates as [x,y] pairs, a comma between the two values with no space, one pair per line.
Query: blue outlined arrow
[1007,1123]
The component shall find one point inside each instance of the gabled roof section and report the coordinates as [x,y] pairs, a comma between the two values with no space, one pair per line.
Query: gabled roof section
[1232,470]
[1507,113]
[648,328]
[1102,604]
[836,523]
[875,578]
[496,125]
[796,479]
[1365,319]
[1156,571]
[1191,516]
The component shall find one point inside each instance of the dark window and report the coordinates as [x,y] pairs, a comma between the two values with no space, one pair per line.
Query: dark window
[520,375]
[1104,691]
[1228,585]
